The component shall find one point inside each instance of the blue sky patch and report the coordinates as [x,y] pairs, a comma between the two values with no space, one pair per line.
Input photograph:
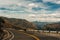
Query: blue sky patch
[52,6]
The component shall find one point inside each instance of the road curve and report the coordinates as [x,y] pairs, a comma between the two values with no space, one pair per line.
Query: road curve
[21,36]
[9,35]
[18,35]
[36,38]
[42,36]
[12,35]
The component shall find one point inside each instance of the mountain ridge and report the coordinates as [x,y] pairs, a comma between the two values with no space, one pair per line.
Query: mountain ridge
[18,23]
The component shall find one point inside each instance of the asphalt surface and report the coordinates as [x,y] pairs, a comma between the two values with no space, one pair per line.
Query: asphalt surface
[44,37]
[41,36]
[21,36]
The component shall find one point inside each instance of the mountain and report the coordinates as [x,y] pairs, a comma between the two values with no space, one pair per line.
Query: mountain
[40,25]
[17,23]
[53,25]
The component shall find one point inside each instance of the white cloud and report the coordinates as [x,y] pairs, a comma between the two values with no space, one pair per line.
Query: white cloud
[7,2]
[49,19]
[19,4]
[58,2]
[31,4]
[16,4]
[32,15]
[25,10]
[53,17]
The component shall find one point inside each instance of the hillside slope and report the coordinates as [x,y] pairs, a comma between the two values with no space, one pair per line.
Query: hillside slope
[18,23]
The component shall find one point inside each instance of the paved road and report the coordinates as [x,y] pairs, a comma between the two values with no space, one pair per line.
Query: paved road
[21,36]
[44,37]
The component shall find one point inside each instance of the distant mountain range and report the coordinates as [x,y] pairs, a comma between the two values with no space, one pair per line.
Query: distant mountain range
[40,25]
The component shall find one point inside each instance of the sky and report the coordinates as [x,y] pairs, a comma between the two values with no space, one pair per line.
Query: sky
[31,10]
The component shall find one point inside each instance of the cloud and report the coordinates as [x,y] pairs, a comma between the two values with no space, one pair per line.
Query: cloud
[32,10]
[31,4]
[32,15]
[7,2]
[23,5]
[51,17]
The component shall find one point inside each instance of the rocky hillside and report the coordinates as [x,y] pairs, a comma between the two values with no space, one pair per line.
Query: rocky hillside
[17,23]
[53,26]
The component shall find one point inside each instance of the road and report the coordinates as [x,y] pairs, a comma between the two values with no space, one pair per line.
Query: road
[42,36]
[21,35]
[8,35]
[46,37]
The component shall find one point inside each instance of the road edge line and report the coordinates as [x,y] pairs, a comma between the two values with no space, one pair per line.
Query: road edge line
[32,36]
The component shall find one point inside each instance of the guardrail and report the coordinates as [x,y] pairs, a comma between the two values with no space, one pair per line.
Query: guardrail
[42,31]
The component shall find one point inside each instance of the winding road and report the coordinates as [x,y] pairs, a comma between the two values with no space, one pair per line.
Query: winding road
[21,35]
